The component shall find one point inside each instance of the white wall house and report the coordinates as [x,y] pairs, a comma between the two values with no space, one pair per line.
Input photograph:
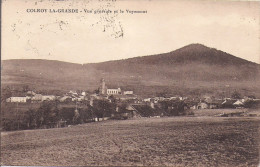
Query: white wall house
[37,97]
[202,105]
[17,99]
[238,103]
[48,97]
[128,92]
[147,100]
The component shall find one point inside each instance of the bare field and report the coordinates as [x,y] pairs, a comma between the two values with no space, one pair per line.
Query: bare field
[169,141]
[216,112]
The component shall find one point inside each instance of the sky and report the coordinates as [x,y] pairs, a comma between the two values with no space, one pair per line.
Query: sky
[162,26]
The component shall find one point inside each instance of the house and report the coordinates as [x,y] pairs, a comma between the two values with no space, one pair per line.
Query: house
[125,97]
[183,98]
[17,99]
[239,104]
[82,98]
[228,103]
[216,103]
[147,100]
[128,112]
[167,99]
[208,104]
[73,92]
[128,92]
[202,105]
[159,98]
[173,98]
[30,93]
[37,98]
[144,110]
[193,107]
[48,98]
[154,100]
[65,99]
[96,96]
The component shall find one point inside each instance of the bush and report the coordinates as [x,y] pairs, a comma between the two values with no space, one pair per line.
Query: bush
[251,104]
[173,107]
[103,108]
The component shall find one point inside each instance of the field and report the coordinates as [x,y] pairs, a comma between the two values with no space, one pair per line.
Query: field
[169,141]
[217,112]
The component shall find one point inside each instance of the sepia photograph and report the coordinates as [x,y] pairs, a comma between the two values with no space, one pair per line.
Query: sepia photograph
[130,83]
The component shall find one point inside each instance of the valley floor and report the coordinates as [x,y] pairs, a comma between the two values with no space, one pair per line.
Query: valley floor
[168,141]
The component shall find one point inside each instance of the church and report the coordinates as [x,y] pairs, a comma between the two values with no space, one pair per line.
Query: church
[103,90]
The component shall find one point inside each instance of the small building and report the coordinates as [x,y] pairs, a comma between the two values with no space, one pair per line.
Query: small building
[65,99]
[215,104]
[144,110]
[147,100]
[125,97]
[228,103]
[173,98]
[82,98]
[202,105]
[238,104]
[48,98]
[193,107]
[73,92]
[128,92]
[17,99]
[30,93]
[128,112]
[37,98]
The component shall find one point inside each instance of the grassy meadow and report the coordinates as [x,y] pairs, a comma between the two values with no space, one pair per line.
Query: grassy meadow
[168,141]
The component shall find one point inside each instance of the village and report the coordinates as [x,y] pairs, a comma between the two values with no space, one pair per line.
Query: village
[128,96]
[128,105]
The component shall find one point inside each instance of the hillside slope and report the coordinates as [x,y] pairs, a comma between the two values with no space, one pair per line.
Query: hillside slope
[193,67]
[195,62]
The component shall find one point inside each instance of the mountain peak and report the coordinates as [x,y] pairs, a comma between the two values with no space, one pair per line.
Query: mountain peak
[195,47]
[194,53]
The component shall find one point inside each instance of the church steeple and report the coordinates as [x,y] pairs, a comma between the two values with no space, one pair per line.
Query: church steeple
[102,89]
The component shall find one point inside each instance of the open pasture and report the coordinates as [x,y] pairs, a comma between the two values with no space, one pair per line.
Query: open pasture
[169,141]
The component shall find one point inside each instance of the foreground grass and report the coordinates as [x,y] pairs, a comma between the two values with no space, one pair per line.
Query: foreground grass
[176,141]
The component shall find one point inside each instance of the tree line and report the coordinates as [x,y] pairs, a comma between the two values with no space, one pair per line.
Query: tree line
[51,114]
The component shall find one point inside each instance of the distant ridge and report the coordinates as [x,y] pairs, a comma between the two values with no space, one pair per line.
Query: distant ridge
[189,54]
[192,67]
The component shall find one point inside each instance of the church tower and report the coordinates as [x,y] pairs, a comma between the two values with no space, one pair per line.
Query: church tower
[102,89]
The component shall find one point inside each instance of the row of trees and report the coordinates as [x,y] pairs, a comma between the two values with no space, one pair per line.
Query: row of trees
[52,114]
